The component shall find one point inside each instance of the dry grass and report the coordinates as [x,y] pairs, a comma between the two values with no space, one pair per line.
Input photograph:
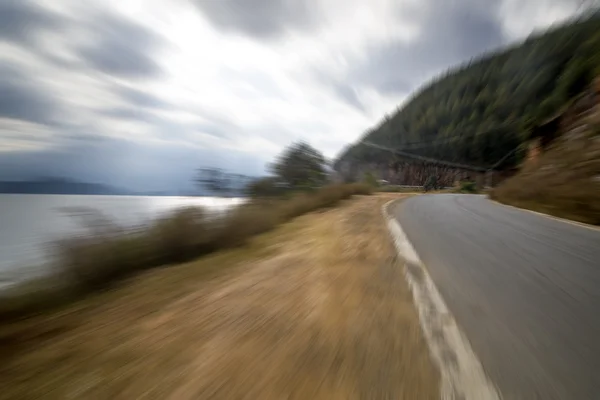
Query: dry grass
[565,182]
[398,189]
[316,309]
[109,253]
[395,189]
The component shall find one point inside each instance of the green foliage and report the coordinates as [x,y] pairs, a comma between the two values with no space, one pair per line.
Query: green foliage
[477,113]
[575,79]
[467,187]
[214,180]
[300,166]
[220,182]
[431,183]
[265,187]
[370,179]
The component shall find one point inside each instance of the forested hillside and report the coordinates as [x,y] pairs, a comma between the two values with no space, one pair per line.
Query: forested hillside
[477,113]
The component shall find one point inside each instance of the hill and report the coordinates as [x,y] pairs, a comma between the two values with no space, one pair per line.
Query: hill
[57,186]
[561,175]
[478,113]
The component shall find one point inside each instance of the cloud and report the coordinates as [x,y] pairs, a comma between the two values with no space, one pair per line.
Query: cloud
[343,92]
[123,163]
[122,47]
[142,96]
[451,33]
[349,95]
[21,100]
[264,19]
[21,21]
[128,113]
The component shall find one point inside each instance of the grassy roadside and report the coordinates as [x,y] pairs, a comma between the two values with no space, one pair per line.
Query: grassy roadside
[403,190]
[397,189]
[565,181]
[109,253]
[315,309]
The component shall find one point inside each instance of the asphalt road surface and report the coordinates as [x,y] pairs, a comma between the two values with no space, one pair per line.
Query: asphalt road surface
[524,288]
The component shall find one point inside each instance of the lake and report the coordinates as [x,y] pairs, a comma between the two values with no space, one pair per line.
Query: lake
[29,222]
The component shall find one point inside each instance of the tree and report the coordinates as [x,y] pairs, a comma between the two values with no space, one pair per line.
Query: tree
[575,78]
[265,187]
[370,179]
[431,183]
[300,166]
[220,182]
[474,113]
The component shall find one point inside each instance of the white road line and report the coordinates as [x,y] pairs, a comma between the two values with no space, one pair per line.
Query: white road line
[462,376]
[541,214]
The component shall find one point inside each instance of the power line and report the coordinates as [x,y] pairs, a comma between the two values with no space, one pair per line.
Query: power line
[504,158]
[425,145]
[438,161]
[428,159]
[455,138]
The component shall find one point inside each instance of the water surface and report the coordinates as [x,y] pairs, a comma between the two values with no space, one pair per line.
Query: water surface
[29,222]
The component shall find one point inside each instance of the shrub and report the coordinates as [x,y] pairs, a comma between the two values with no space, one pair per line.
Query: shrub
[360,188]
[331,195]
[468,187]
[103,253]
[265,187]
[563,182]
[430,183]
[181,235]
[370,179]
[245,221]
[107,253]
[299,204]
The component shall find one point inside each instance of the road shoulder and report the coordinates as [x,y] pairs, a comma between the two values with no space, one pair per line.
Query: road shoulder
[462,375]
[318,308]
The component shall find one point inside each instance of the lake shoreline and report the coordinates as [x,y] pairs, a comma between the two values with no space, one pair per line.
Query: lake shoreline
[279,304]
[29,223]
[108,254]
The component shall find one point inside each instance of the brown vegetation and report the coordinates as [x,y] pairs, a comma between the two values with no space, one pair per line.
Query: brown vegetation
[562,175]
[109,253]
[316,309]
[564,181]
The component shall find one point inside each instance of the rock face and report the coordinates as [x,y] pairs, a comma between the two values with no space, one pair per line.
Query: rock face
[562,173]
[573,130]
[410,173]
[572,125]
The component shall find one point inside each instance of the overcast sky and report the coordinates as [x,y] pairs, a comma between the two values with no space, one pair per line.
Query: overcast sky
[140,93]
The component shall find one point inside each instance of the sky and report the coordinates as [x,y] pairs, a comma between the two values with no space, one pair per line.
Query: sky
[141,93]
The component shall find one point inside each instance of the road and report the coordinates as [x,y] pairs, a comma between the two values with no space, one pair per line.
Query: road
[525,289]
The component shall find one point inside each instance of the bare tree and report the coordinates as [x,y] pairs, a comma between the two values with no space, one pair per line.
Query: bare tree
[215,180]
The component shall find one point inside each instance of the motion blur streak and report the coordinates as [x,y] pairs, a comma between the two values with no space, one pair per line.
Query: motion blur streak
[190,196]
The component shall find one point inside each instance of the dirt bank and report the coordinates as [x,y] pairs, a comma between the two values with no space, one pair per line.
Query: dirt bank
[317,309]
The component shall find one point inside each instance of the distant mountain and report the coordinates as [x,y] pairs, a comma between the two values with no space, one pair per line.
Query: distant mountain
[221,183]
[58,186]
